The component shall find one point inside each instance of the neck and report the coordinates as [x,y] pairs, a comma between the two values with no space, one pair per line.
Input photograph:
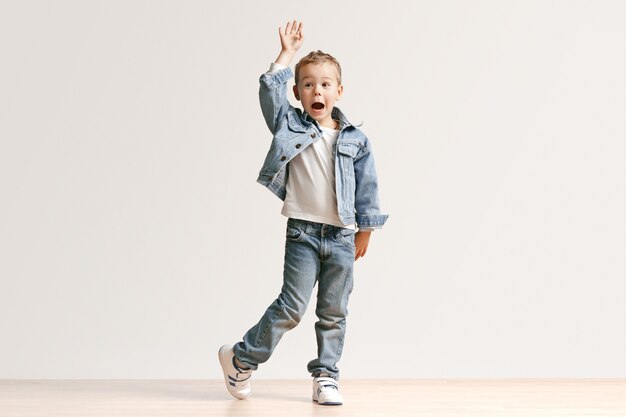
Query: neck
[331,124]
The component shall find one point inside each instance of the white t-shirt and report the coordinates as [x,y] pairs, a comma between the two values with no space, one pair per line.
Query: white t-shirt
[311,182]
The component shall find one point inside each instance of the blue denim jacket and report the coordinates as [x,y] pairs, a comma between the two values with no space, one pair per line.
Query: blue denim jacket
[356,184]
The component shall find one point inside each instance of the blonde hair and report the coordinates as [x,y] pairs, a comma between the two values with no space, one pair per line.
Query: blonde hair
[318,57]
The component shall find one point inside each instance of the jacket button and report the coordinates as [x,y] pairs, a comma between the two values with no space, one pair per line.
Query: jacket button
[282,158]
[313,135]
[298,146]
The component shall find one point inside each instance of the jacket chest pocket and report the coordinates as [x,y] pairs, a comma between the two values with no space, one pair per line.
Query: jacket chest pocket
[346,152]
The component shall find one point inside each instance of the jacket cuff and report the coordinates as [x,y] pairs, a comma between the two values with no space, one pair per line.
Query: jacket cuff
[371,221]
[274,67]
[276,78]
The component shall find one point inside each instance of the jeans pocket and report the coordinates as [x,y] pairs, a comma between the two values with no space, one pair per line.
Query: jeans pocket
[346,237]
[294,234]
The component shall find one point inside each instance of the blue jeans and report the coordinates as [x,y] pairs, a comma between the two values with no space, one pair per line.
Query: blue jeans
[314,253]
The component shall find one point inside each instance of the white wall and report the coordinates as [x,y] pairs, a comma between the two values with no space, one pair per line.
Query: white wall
[134,240]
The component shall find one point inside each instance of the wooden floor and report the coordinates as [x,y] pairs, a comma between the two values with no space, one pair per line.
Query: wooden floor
[363,398]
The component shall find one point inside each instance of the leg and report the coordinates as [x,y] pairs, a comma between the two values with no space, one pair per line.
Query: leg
[334,288]
[301,268]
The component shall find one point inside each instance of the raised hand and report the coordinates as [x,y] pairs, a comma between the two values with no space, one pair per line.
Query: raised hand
[292,37]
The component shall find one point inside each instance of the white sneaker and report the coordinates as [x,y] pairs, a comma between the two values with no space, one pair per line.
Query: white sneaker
[236,378]
[326,391]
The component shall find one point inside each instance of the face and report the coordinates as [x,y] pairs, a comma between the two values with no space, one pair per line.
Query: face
[318,89]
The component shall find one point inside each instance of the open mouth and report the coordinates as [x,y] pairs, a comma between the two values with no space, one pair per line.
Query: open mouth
[317,106]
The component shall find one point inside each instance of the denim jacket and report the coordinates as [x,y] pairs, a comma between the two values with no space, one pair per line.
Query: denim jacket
[356,185]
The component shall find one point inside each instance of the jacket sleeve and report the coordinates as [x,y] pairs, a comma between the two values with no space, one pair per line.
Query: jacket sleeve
[273,96]
[367,204]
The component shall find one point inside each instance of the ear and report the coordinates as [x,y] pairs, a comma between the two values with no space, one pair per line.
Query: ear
[296,92]
[339,92]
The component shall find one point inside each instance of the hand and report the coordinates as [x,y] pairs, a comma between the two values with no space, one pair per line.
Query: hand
[361,241]
[292,37]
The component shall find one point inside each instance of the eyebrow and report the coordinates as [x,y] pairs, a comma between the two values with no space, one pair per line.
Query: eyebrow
[323,78]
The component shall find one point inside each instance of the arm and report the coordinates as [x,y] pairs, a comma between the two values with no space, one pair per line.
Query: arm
[366,203]
[273,85]
[368,215]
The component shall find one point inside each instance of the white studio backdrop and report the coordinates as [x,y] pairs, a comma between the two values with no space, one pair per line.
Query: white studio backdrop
[134,240]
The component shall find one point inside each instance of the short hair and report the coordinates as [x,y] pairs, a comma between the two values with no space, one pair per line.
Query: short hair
[318,57]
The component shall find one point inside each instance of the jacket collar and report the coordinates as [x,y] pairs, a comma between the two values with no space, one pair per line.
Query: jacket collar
[307,120]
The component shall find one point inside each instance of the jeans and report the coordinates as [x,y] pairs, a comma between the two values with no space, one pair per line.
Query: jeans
[314,253]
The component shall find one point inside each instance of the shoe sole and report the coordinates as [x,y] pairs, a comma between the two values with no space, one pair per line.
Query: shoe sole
[327,403]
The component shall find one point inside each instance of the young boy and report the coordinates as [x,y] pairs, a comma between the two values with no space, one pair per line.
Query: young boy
[322,167]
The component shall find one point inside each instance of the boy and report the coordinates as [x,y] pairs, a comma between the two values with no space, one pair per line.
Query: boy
[322,167]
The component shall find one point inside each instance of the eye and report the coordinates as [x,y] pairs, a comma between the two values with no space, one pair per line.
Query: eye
[307,85]
[326,85]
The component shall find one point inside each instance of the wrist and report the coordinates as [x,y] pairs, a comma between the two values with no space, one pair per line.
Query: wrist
[285,56]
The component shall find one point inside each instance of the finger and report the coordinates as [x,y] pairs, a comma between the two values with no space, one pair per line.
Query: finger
[300,32]
[280,31]
[293,26]
[288,28]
